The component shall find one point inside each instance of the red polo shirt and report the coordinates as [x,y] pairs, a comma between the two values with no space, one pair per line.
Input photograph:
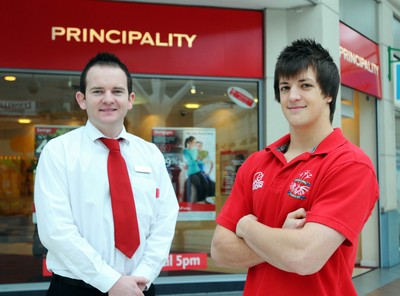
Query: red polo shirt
[336,184]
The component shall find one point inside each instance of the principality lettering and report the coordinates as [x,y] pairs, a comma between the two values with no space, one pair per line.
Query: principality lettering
[359,61]
[129,37]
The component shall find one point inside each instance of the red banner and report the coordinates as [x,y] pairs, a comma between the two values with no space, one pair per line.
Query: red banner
[149,38]
[186,261]
[359,62]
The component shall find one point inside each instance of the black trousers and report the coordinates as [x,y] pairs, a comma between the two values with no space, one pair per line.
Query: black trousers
[61,286]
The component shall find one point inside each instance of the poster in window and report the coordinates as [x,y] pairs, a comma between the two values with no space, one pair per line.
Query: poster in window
[190,160]
[230,163]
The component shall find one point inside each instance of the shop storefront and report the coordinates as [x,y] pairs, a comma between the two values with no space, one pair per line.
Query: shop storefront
[183,88]
[196,71]
[361,88]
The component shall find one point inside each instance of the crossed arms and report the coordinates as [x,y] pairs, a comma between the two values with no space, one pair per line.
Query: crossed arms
[298,247]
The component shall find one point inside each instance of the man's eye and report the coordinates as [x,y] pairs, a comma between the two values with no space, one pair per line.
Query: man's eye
[118,92]
[307,85]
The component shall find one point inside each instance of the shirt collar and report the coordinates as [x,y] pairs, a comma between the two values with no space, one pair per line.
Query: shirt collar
[331,142]
[94,134]
[334,140]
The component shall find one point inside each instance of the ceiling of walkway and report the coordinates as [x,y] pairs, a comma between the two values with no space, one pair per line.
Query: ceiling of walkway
[248,4]
[243,4]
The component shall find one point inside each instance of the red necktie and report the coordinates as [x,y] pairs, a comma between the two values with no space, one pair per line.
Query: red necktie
[126,230]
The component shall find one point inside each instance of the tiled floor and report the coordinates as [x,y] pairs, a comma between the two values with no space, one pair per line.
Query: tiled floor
[389,289]
[379,282]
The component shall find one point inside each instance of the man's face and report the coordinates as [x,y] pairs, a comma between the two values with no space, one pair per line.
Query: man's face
[302,101]
[107,99]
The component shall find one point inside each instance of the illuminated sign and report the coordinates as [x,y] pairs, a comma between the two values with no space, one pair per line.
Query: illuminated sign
[148,38]
[359,62]
[241,97]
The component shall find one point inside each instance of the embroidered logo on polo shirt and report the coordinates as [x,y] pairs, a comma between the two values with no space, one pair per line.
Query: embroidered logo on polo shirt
[257,180]
[300,186]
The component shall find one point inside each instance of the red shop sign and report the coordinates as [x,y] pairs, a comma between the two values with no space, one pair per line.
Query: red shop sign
[149,38]
[359,62]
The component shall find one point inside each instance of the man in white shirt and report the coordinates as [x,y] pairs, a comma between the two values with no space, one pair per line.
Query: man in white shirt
[72,195]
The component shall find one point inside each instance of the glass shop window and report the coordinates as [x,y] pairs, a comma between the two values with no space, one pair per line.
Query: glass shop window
[204,127]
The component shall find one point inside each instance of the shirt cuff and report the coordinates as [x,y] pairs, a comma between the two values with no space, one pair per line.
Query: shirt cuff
[106,279]
[147,272]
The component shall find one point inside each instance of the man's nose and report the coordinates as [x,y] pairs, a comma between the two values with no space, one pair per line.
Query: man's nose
[294,94]
[108,96]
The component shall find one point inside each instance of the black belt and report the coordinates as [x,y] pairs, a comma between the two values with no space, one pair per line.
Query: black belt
[72,282]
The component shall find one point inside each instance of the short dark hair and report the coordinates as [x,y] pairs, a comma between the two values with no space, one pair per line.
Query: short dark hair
[104,59]
[298,57]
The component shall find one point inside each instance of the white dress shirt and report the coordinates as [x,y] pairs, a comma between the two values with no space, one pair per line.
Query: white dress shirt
[74,215]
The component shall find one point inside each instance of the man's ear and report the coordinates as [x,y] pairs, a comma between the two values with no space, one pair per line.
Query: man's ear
[80,98]
[131,100]
[328,99]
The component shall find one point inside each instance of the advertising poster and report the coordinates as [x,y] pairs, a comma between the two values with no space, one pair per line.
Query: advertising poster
[230,163]
[190,159]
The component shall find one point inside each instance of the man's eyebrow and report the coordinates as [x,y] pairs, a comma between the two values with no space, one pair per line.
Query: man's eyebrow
[307,79]
[302,79]
[95,88]
[118,88]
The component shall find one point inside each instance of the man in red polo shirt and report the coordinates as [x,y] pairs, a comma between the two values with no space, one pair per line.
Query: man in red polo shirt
[297,207]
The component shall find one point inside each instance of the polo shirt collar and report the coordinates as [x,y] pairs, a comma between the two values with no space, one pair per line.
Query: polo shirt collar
[334,140]
[331,142]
